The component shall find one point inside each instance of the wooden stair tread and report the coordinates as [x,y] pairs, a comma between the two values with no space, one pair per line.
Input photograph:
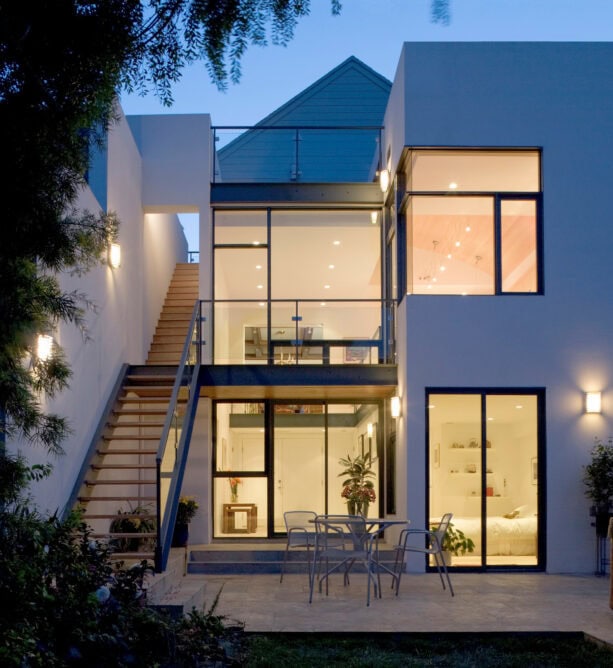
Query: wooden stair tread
[133,425]
[111,516]
[127,451]
[123,467]
[124,535]
[91,483]
[89,499]
[124,437]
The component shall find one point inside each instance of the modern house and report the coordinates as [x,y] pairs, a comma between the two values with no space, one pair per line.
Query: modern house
[417,269]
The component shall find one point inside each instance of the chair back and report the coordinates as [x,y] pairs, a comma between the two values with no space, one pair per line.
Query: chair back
[299,519]
[342,532]
[441,530]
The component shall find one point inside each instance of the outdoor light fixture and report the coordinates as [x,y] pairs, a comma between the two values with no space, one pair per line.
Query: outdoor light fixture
[395,407]
[593,402]
[115,255]
[44,347]
[384,180]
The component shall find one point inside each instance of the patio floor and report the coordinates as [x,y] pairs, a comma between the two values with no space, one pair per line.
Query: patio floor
[483,603]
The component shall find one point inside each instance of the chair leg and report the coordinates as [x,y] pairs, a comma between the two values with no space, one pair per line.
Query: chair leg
[284,561]
[398,569]
[446,575]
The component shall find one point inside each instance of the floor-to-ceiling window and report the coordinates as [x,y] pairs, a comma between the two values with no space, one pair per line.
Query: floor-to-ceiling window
[484,451]
[275,456]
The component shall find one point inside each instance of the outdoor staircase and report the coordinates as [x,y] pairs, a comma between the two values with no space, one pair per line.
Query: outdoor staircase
[171,331]
[121,474]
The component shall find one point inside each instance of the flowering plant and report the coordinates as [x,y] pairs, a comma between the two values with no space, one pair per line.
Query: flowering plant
[359,494]
[234,483]
[187,509]
[358,488]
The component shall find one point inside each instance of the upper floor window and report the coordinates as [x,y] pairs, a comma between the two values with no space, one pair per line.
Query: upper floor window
[473,222]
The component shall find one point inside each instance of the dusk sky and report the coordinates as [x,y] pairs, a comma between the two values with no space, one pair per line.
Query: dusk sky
[373,31]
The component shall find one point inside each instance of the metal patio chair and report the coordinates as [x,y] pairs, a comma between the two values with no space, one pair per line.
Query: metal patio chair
[300,527]
[433,546]
[343,540]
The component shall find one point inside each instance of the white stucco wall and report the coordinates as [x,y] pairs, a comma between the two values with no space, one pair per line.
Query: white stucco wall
[127,303]
[558,97]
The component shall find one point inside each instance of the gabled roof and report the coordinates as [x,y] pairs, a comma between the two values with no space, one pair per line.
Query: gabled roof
[350,95]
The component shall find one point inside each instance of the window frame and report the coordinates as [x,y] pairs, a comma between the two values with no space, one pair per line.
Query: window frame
[403,221]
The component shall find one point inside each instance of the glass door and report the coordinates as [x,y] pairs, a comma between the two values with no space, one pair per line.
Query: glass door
[483,468]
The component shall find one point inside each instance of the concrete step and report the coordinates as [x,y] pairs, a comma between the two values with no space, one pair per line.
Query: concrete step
[261,562]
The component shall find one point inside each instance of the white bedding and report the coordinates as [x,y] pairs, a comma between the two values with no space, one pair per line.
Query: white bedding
[504,536]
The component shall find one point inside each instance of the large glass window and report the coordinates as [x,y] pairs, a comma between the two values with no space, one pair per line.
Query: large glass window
[473,222]
[483,454]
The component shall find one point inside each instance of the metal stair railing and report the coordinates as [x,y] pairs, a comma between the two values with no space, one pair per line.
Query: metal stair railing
[172,453]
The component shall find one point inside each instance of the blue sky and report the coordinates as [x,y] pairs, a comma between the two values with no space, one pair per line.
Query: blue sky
[373,31]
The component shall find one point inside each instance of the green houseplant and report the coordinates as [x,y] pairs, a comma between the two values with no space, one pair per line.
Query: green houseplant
[358,487]
[185,512]
[598,480]
[455,542]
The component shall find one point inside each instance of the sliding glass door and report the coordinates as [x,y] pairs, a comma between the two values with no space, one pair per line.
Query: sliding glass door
[484,451]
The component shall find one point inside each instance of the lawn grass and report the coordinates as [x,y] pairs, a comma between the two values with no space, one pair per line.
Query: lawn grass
[386,650]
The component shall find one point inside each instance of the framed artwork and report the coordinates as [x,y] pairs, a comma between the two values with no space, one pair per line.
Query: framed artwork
[534,471]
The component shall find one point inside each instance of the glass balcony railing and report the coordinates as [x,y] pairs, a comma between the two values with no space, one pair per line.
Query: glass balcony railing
[299,332]
[268,154]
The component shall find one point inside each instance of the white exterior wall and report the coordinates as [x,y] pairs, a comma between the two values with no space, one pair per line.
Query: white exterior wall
[558,97]
[127,303]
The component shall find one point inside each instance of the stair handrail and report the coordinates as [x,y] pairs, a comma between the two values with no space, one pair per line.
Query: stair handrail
[186,371]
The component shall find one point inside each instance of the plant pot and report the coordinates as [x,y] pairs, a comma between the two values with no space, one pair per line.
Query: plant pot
[601,523]
[351,508]
[180,535]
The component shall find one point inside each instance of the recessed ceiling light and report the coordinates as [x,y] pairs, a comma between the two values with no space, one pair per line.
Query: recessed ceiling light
[322,304]
[458,244]
[453,185]
[519,406]
[490,419]
[258,266]
[330,266]
[431,405]
[256,243]
[468,228]
[449,256]
[260,287]
[262,304]
[326,287]
[442,267]
[336,243]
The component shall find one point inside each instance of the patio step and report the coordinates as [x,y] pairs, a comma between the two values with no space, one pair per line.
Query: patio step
[259,562]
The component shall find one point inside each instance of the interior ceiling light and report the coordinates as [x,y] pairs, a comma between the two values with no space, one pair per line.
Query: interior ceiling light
[322,303]
[336,243]
[453,185]
[256,243]
[443,267]
[258,266]
[326,287]
[468,228]
[260,287]
[449,256]
[458,244]
[330,266]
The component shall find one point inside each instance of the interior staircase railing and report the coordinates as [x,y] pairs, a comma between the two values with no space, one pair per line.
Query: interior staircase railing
[174,443]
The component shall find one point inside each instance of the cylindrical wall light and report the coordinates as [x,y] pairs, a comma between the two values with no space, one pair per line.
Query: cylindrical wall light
[395,407]
[115,255]
[593,402]
[44,347]
[384,180]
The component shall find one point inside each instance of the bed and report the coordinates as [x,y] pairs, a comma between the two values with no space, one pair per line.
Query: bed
[505,535]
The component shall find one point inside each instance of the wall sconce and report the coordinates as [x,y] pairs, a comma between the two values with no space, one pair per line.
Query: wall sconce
[593,402]
[44,347]
[374,216]
[115,255]
[395,407]
[369,430]
[384,180]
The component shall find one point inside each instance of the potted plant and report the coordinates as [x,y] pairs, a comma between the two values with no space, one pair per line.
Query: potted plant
[358,489]
[598,479]
[185,512]
[136,520]
[455,543]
